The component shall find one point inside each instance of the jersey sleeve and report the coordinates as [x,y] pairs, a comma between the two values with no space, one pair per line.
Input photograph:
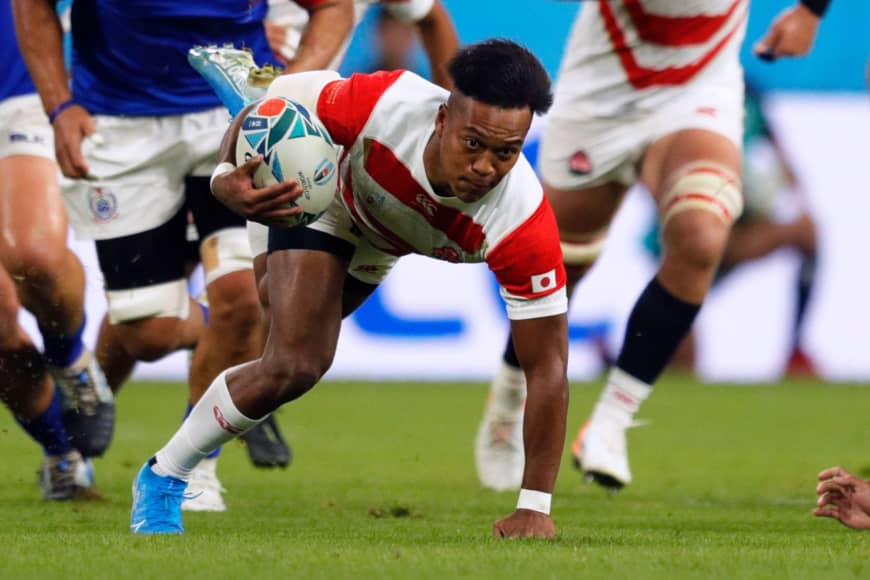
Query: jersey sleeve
[528,265]
[408,10]
[345,105]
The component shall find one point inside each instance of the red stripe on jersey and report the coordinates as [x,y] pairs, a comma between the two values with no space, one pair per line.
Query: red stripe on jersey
[676,30]
[641,77]
[527,252]
[699,196]
[395,177]
[345,105]
[400,247]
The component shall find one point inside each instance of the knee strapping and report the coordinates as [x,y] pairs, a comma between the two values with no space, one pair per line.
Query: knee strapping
[169,299]
[583,252]
[706,186]
[224,252]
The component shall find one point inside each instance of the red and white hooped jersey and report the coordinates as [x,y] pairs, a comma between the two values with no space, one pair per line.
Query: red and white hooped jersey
[625,54]
[383,121]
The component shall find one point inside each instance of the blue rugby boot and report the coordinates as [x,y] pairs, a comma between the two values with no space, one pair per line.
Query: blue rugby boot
[88,404]
[68,476]
[156,502]
[232,74]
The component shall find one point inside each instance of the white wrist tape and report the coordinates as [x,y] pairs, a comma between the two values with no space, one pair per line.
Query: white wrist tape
[538,501]
[222,169]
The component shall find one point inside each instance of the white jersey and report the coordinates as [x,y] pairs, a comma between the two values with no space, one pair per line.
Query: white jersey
[635,55]
[294,18]
[383,121]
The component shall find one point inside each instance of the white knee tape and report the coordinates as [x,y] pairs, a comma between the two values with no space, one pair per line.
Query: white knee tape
[706,186]
[582,253]
[166,300]
[224,252]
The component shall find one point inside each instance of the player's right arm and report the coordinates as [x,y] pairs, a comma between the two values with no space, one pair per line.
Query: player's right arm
[40,39]
[541,345]
[232,183]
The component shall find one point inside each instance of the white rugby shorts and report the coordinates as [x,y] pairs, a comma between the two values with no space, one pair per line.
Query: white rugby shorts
[579,151]
[368,264]
[139,165]
[24,128]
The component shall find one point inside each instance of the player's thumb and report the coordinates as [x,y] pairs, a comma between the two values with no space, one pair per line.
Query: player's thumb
[250,166]
[767,47]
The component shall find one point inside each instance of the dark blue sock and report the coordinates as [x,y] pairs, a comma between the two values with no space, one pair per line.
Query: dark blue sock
[510,354]
[656,326]
[214,453]
[806,279]
[47,428]
[61,350]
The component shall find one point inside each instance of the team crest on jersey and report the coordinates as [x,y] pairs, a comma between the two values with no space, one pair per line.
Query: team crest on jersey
[103,205]
[446,253]
[579,163]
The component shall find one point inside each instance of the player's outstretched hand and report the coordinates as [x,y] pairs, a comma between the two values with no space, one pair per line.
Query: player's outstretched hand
[843,497]
[525,524]
[269,205]
[71,126]
[791,34]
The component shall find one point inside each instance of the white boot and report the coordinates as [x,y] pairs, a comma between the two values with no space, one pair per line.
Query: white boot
[498,449]
[204,491]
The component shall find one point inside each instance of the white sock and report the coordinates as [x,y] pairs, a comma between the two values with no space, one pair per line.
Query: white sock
[212,422]
[621,398]
[508,392]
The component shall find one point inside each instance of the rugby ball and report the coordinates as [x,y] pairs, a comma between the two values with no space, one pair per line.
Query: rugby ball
[295,146]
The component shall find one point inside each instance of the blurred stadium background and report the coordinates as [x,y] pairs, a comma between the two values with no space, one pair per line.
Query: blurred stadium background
[434,321]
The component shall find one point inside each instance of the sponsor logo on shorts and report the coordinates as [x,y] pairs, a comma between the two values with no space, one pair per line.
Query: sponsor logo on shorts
[25,138]
[324,172]
[103,205]
[446,253]
[579,163]
[225,425]
[709,111]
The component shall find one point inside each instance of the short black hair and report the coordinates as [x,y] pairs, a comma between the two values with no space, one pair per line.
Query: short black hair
[500,72]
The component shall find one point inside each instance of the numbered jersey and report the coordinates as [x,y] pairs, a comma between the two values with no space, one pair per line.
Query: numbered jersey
[383,121]
[626,55]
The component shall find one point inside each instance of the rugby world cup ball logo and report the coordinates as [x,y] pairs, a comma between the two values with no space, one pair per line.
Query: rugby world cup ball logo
[324,172]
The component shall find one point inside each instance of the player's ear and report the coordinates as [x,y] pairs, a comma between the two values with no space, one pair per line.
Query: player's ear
[440,120]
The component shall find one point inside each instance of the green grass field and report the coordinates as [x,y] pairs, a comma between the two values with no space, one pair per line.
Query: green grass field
[724,480]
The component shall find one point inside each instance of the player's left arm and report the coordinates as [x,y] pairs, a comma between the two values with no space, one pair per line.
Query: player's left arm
[232,182]
[541,345]
[330,23]
[793,31]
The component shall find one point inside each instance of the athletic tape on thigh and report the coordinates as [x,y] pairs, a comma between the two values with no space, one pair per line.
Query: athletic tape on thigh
[703,185]
[224,252]
[169,299]
[580,253]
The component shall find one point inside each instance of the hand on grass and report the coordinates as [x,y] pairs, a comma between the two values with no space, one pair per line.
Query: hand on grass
[525,524]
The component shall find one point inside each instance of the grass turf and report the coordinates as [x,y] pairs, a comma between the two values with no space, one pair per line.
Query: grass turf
[383,485]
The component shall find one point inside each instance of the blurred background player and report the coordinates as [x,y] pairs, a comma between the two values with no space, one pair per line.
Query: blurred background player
[59,396]
[434,173]
[139,130]
[652,92]
[434,27]
[768,177]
